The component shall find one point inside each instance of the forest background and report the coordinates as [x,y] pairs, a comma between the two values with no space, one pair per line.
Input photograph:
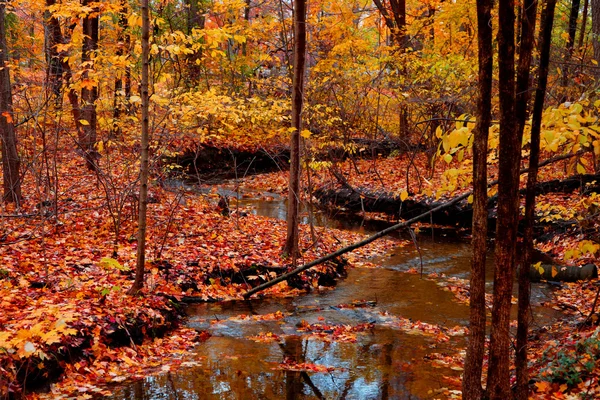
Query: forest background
[402,74]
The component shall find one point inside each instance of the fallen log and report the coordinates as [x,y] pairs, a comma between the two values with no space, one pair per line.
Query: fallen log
[382,233]
[563,273]
[354,246]
[360,200]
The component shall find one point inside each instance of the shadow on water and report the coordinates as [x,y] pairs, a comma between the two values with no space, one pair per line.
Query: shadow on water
[383,363]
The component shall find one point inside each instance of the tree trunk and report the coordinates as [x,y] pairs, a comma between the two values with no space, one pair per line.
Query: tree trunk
[521,109]
[545,41]
[195,20]
[89,91]
[291,243]
[143,200]
[572,30]
[54,65]
[471,386]
[498,383]
[396,22]
[10,157]
[596,29]
[584,19]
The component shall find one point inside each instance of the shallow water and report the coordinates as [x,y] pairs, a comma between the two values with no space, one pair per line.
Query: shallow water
[383,363]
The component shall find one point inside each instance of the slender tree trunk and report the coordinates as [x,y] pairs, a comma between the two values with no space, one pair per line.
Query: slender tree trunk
[596,29]
[89,91]
[10,157]
[472,389]
[545,41]
[570,44]
[584,19]
[521,109]
[54,65]
[291,243]
[396,22]
[143,200]
[498,383]
[195,20]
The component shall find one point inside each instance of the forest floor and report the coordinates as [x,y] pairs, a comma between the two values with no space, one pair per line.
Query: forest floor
[67,319]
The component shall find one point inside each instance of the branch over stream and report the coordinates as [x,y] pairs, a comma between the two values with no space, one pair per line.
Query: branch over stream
[381,234]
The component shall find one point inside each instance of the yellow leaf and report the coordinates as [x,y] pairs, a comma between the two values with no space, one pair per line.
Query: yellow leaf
[305,133]
[580,169]
[470,199]
[447,158]
[403,195]
[554,271]
[83,122]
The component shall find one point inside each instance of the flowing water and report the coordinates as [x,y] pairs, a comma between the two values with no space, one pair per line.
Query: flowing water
[383,363]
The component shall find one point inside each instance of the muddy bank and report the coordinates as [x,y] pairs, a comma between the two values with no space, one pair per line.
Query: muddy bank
[209,163]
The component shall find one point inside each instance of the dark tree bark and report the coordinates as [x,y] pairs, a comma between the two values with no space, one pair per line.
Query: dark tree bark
[55,37]
[596,28]
[522,99]
[54,65]
[498,382]
[545,41]
[570,47]
[472,389]
[584,19]
[291,243]
[195,20]
[10,157]
[143,200]
[89,91]
[396,22]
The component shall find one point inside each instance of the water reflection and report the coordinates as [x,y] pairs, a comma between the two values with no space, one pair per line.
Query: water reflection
[383,363]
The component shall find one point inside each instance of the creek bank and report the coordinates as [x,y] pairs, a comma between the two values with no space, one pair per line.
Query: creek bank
[152,317]
[210,163]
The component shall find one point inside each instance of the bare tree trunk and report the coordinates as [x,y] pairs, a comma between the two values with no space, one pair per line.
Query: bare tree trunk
[89,92]
[570,44]
[195,20]
[596,28]
[291,243]
[396,22]
[10,157]
[545,41]
[521,110]
[54,65]
[143,200]
[471,386]
[498,382]
[584,19]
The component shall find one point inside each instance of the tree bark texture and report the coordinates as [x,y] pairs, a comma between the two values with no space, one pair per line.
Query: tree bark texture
[570,47]
[89,91]
[596,28]
[545,41]
[471,385]
[522,105]
[143,199]
[396,22]
[291,243]
[10,157]
[498,382]
[584,18]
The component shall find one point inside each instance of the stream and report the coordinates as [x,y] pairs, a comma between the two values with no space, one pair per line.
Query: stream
[384,362]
